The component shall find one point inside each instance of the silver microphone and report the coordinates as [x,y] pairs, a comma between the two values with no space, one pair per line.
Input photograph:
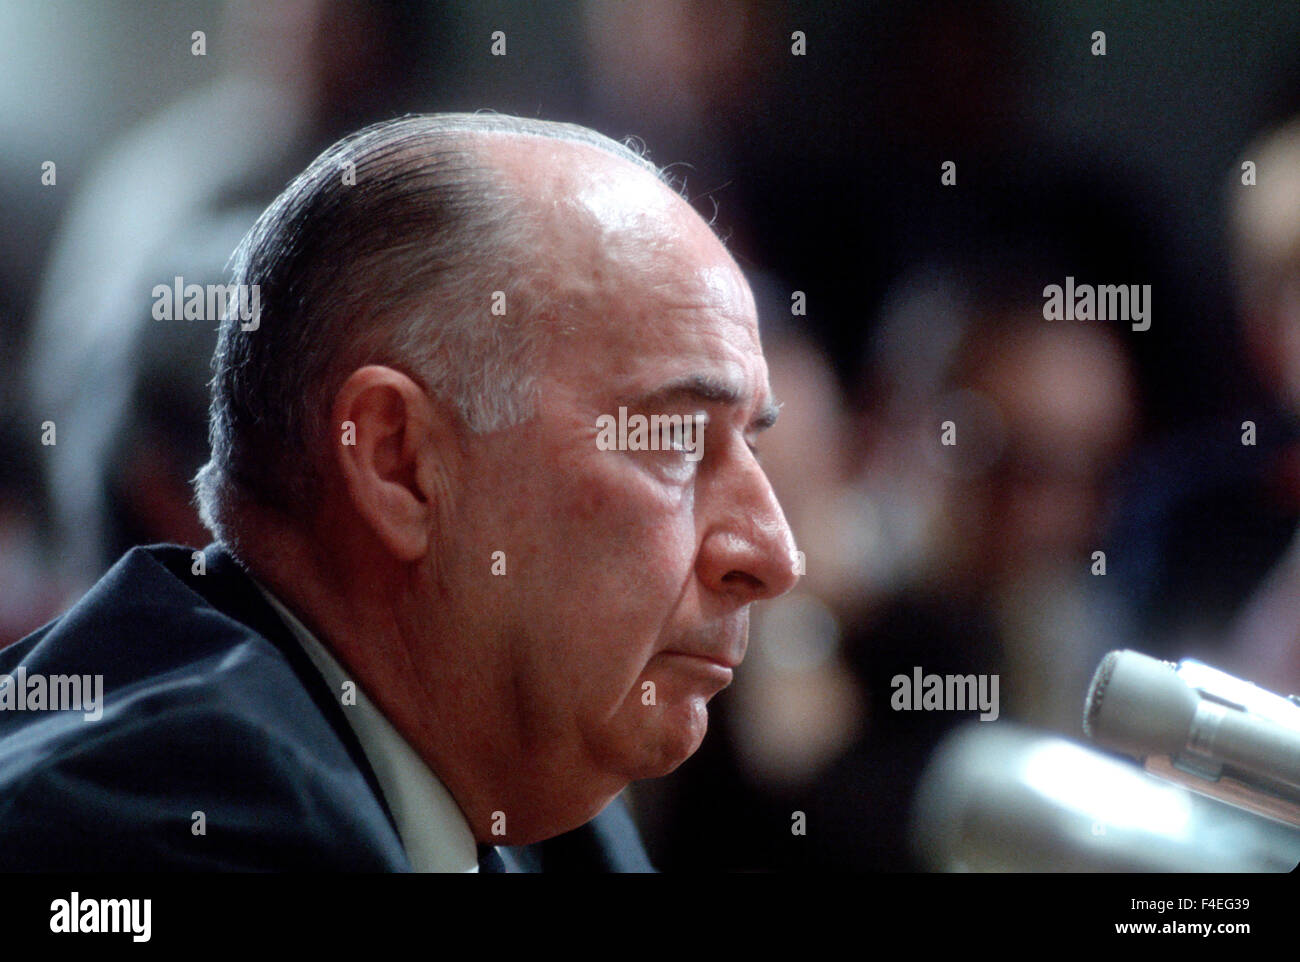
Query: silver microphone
[1201,727]
[1004,798]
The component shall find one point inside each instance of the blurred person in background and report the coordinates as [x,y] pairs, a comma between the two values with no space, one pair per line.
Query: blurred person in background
[1263,639]
[1210,564]
[1004,582]
[125,391]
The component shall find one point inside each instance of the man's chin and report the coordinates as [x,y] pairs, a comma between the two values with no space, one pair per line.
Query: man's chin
[671,739]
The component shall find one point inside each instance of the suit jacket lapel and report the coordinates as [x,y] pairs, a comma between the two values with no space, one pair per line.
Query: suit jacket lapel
[230,590]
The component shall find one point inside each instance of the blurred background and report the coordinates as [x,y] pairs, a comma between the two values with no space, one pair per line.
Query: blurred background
[891,303]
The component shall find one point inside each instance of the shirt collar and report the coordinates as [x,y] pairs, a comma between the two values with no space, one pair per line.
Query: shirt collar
[433,830]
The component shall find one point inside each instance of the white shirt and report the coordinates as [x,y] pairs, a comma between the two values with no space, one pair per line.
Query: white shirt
[433,830]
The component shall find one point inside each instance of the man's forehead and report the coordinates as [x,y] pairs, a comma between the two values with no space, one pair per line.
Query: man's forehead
[671,310]
[723,284]
[636,274]
[594,206]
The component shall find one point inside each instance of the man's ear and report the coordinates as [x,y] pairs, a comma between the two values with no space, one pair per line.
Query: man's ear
[392,456]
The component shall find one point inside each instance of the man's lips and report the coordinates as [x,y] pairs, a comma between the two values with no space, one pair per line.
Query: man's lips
[719,649]
[714,659]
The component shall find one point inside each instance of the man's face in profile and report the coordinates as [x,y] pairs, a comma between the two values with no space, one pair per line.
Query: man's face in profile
[623,607]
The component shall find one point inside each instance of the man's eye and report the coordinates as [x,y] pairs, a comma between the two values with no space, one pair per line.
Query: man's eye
[684,438]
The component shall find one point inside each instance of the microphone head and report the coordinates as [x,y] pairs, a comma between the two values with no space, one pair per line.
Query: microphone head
[1139,705]
[1006,798]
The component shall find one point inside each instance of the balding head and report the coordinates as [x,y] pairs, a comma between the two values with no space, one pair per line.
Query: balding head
[392,247]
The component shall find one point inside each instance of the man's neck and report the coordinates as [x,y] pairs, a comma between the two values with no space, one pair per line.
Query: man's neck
[388,642]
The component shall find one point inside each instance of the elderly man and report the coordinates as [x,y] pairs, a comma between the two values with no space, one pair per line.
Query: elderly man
[444,618]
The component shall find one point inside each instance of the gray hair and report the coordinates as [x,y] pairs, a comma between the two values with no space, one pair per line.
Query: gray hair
[387,249]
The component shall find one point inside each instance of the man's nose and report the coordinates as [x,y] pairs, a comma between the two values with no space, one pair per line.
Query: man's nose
[748,551]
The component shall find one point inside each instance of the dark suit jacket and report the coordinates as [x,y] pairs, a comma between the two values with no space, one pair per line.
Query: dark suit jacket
[209,705]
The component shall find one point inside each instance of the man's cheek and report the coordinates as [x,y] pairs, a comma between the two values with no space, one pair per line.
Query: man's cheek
[597,670]
[626,490]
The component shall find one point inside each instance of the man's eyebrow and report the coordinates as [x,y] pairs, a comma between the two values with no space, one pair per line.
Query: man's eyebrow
[707,388]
